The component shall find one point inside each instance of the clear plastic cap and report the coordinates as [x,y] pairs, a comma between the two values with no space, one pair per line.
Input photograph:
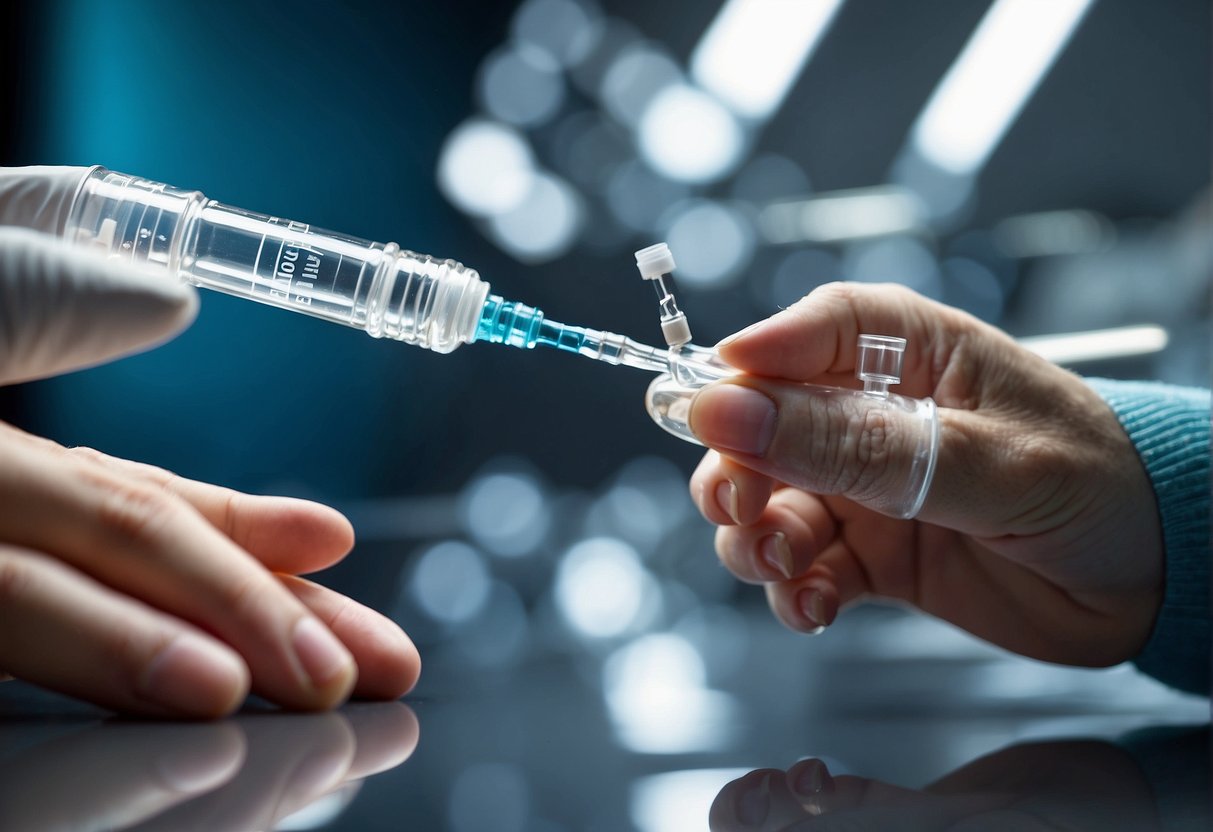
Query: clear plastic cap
[878,364]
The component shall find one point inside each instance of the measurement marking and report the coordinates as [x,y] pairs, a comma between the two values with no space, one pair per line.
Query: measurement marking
[257,262]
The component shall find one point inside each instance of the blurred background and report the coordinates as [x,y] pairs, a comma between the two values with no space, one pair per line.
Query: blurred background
[1044,165]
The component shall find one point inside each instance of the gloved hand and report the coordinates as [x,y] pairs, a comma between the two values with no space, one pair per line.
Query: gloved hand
[1040,532]
[62,308]
[122,583]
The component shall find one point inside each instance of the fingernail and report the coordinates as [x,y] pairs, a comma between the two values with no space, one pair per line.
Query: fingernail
[194,676]
[813,605]
[754,803]
[324,658]
[812,778]
[777,554]
[726,498]
[741,418]
[739,333]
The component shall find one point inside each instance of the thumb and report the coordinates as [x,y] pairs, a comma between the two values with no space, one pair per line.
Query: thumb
[64,309]
[879,452]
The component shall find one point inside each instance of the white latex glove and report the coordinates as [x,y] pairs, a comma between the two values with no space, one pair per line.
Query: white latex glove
[63,308]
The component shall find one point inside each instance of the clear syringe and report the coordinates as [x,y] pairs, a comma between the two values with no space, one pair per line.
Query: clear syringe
[385,290]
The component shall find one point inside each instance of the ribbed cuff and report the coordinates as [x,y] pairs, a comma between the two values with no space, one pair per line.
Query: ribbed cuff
[1169,426]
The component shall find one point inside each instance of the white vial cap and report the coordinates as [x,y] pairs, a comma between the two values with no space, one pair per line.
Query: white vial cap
[654,261]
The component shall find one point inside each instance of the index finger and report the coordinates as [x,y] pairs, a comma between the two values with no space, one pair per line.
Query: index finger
[285,533]
[816,336]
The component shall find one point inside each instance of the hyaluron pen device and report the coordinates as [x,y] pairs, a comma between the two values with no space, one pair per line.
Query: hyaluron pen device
[380,288]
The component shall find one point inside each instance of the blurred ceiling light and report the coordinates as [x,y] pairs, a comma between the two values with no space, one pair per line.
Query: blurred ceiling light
[995,74]
[589,148]
[506,513]
[971,286]
[801,272]
[629,513]
[754,50]
[500,632]
[659,704]
[634,78]
[904,260]
[521,86]
[1052,233]
[678,801]
[485,168]
[450,582]
[615,37]
[844,215]
[714,242]
[601,587]
[768,178]
[688,135]
[567,30]
[638,197]
[543,225]
[1099,344]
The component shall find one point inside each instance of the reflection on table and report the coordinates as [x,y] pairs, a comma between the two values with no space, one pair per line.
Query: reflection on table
[256,771]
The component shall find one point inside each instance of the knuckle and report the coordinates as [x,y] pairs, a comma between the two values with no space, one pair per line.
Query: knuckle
[15,577]
[248,595]
[136,513]
[88,455]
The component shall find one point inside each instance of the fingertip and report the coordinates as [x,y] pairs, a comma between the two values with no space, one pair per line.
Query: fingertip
[734,418]
[804,606]
[396,661]
[817,606]
[299,535]
[195,677]
[327,663]
[337,527]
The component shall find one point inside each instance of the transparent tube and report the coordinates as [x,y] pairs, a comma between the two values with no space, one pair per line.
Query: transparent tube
[913,423]
[380,288]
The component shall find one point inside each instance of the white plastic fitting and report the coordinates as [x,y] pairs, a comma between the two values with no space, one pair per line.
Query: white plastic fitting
[655,261]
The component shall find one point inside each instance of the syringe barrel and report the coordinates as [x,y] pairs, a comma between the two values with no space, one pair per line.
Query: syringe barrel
[380,288]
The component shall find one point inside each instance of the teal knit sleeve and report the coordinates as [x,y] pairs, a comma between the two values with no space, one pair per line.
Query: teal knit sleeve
[1170,428]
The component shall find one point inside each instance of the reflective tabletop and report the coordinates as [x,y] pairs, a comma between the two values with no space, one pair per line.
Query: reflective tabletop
[723,722]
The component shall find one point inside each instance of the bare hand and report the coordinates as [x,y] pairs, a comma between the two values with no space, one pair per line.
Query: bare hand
[1040,532]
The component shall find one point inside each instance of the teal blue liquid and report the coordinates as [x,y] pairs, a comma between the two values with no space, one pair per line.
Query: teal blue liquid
[518,325]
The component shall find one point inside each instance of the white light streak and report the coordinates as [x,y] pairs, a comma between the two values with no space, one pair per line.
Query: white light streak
[844,215]
[753,51]
[995,74]
[1099,344]
[1053,233]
